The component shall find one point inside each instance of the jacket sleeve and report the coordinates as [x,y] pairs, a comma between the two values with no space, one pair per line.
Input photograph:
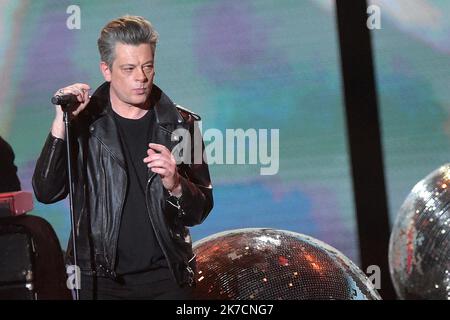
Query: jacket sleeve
[50,174]
[197,194]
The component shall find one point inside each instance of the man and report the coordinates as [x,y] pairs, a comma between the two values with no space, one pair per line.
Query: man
[132,202]
[9,181]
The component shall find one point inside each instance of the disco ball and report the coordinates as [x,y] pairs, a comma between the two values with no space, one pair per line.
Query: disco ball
[268,264]
[419,247]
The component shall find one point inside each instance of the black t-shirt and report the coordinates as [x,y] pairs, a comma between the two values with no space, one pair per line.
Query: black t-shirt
[138,249]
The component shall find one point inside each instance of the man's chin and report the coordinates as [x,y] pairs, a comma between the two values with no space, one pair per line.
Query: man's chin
[139,101]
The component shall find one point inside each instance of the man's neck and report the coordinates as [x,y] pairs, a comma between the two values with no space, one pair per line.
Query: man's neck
[127,110]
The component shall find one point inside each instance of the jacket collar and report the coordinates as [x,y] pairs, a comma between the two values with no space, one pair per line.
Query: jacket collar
[165,110]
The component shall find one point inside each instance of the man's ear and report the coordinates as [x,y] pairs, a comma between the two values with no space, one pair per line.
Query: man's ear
[106,71]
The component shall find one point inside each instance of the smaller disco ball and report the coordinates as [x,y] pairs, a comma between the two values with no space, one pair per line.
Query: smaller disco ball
[268,264]
[419,247]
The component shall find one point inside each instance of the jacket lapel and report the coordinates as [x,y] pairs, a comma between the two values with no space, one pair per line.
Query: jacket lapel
[168,119]
[103,126]
[105,129]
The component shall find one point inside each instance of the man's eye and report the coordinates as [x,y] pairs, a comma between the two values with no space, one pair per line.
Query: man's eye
[148,68]
[127,69]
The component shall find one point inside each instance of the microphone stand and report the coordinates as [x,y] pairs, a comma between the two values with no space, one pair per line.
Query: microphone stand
[66,109]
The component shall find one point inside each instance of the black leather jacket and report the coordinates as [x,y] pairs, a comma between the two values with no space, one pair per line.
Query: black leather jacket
[100,182]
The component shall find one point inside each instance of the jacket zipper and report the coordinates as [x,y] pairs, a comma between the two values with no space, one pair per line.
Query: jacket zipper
[50,157]
[113,258]
[153,226]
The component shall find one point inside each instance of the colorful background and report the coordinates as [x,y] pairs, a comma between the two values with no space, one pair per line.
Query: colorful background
[249,64]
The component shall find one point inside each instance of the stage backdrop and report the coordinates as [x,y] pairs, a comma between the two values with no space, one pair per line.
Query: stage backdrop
[248,64]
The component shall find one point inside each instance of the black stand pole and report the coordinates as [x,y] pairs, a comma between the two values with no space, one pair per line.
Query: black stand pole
[66,109]
[364,138]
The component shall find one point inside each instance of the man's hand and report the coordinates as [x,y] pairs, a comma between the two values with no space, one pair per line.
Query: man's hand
[81,91]
[160,160]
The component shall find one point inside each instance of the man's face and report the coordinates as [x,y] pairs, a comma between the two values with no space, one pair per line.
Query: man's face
[131,75]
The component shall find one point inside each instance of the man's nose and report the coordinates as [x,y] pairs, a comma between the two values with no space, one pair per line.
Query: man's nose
[140,75]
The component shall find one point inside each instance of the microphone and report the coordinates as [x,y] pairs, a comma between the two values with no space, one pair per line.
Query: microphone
[65,100]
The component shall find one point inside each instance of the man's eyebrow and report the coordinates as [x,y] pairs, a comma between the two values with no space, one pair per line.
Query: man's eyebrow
[133,65]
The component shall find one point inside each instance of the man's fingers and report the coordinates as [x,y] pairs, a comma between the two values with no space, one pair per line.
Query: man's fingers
[82,86]
[158,163]
[152,156]
[80,90]
[86,95]
[159,148]
[160,171]
[81,93]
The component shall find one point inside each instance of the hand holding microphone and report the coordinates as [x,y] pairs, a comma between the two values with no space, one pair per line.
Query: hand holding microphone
[76,97]
[65,99]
